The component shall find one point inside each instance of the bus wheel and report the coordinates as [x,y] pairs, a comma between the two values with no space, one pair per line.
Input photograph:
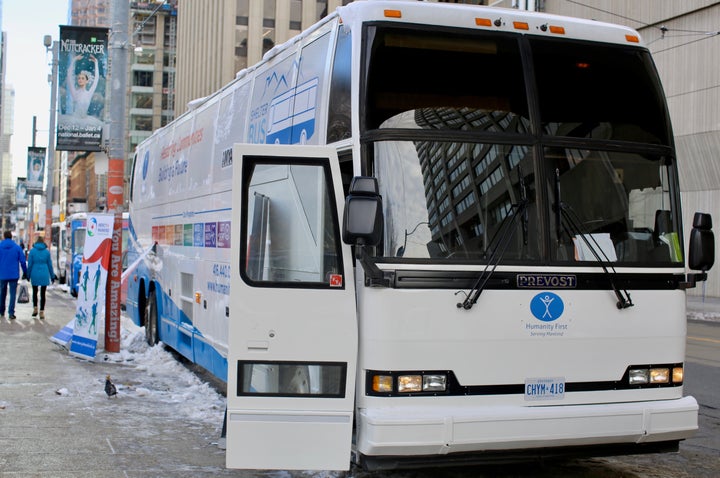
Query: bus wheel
[151,320]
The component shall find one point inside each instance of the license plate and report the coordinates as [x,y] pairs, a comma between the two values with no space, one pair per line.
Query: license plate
[545,388]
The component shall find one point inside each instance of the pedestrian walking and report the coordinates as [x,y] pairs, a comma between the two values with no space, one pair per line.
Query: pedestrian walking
[41,274]
[12,258]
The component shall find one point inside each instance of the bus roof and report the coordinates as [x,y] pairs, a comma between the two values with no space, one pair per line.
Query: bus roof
[450,15]
[487,18]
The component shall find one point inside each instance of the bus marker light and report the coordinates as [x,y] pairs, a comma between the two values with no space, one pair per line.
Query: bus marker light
[632,38]
[393,13]
[659,375]
[410,383]
[521,25]
[382,383]
[557,30]
[483,22]
[639,376]
[677,374]
[197,297]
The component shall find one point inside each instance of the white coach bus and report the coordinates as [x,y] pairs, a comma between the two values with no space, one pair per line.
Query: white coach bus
[477,253]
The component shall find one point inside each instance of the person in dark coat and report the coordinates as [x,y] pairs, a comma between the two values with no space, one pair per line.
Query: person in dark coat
[41,274]
[11,259]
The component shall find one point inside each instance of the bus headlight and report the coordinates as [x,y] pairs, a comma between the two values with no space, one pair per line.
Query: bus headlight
[666,374]
[434,383]
[403,383]
[659,375]
[410,383]
[639,376]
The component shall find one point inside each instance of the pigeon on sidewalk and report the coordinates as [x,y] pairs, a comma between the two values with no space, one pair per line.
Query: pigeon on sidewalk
[110,388]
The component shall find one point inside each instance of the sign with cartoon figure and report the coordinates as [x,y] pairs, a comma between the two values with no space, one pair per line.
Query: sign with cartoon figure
[90,309]
[82,71]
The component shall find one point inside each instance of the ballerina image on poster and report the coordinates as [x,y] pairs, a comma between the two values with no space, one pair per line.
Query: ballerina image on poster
[81,86]
[80,123]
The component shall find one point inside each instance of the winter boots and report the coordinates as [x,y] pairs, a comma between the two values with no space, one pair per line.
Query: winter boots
[42,314]
[35,312]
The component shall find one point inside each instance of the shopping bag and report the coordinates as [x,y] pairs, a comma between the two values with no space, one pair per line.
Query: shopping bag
[23,296]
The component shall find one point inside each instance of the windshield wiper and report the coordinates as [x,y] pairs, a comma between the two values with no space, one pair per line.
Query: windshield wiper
[504,236]
[566,218]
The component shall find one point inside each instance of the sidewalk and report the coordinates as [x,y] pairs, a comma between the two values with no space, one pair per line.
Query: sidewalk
[56,421]
[703,308]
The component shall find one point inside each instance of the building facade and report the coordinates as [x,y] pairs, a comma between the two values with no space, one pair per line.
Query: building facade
[82,176]
[218,38]
[683,39]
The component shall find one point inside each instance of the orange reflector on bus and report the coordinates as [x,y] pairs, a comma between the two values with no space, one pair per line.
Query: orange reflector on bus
[521,26]
[393,13]
[632,38]
[198,295]
[558,30]
[483,22]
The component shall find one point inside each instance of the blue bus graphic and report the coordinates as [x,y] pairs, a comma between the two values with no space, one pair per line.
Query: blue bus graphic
[292,115]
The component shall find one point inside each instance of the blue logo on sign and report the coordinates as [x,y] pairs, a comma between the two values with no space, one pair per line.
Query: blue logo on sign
[547,306]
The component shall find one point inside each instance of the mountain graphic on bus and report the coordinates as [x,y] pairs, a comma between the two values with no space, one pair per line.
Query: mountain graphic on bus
[292,114]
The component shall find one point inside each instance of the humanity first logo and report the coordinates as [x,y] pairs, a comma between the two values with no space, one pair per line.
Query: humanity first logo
[92,227]
[546,307]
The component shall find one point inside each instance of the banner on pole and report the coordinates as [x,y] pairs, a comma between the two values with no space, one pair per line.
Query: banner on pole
[82,71]
[35,170]
[21,192]
[90,310]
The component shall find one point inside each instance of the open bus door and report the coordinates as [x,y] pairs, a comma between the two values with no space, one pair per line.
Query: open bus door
[292,344]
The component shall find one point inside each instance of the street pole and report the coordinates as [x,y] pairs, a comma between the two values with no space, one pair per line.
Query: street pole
[51,143]
[118,43]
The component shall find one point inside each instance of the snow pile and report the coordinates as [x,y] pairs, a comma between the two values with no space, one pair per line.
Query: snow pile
[157,374]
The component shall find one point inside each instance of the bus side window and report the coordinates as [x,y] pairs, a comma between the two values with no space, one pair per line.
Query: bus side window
[338,127]
[291,227]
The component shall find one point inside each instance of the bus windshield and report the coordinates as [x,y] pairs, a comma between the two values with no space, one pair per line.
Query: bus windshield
[557,154]
[79,238]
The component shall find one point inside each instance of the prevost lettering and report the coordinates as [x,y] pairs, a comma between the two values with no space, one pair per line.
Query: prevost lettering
[546,281]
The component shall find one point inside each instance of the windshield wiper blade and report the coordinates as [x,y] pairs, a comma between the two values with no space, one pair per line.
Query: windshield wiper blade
[576,229]
[504,235]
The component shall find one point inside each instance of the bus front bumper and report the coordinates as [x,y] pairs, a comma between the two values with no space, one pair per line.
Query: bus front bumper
[410,431]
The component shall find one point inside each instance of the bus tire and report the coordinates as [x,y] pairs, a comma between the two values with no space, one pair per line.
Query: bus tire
[151,320]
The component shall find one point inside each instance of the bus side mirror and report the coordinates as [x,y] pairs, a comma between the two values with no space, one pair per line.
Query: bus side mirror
[702,243]
[363,217]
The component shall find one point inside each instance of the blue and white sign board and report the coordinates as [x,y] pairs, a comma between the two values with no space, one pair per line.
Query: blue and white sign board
[90,311]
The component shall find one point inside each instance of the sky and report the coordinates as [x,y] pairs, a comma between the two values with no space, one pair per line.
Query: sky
[28,67]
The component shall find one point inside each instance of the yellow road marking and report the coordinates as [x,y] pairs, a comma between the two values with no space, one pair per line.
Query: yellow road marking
[704,339]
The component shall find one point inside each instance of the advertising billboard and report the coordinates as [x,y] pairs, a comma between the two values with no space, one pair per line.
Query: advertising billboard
[82,71]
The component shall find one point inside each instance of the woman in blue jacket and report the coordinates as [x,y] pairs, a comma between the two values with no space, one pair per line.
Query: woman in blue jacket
[41,274]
